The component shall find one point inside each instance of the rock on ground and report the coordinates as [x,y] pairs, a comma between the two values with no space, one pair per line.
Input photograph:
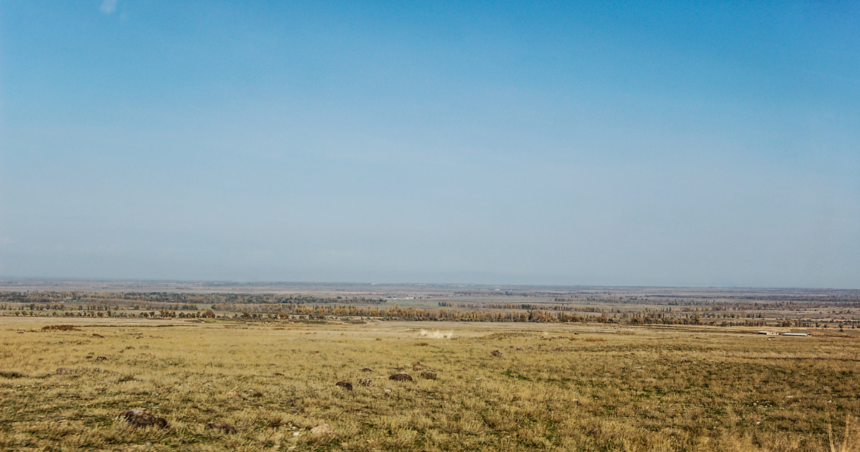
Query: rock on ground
[224,427]
[401,376]
[322,428]
[141,417]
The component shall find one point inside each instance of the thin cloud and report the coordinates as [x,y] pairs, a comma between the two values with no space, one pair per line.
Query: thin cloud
[108,6]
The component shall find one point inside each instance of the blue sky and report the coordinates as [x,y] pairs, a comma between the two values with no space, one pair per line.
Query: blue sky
[709,144]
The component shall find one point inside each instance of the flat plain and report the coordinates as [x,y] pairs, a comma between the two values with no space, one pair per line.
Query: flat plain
[549,387]
[244,383]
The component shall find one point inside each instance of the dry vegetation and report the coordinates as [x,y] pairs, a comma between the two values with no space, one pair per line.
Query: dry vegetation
[254,386]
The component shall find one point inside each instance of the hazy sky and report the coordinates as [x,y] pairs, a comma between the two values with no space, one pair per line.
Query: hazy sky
[707,144]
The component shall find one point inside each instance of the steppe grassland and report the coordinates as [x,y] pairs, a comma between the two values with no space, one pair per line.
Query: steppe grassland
[553,387]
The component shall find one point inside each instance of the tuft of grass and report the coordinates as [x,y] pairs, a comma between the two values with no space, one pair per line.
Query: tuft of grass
[850,442]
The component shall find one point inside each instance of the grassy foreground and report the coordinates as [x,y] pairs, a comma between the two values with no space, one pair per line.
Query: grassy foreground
[553,387]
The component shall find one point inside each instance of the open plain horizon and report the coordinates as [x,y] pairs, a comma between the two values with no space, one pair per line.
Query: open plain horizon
[429,225]
[313,366]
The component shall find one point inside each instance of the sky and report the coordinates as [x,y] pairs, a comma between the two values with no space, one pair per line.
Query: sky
[656,143]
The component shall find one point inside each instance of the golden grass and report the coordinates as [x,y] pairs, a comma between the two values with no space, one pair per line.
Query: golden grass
[634,389]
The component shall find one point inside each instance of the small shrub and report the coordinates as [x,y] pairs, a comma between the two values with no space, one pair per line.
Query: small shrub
[59,328]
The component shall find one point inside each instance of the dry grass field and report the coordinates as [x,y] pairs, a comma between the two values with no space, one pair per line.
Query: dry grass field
[496,387]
